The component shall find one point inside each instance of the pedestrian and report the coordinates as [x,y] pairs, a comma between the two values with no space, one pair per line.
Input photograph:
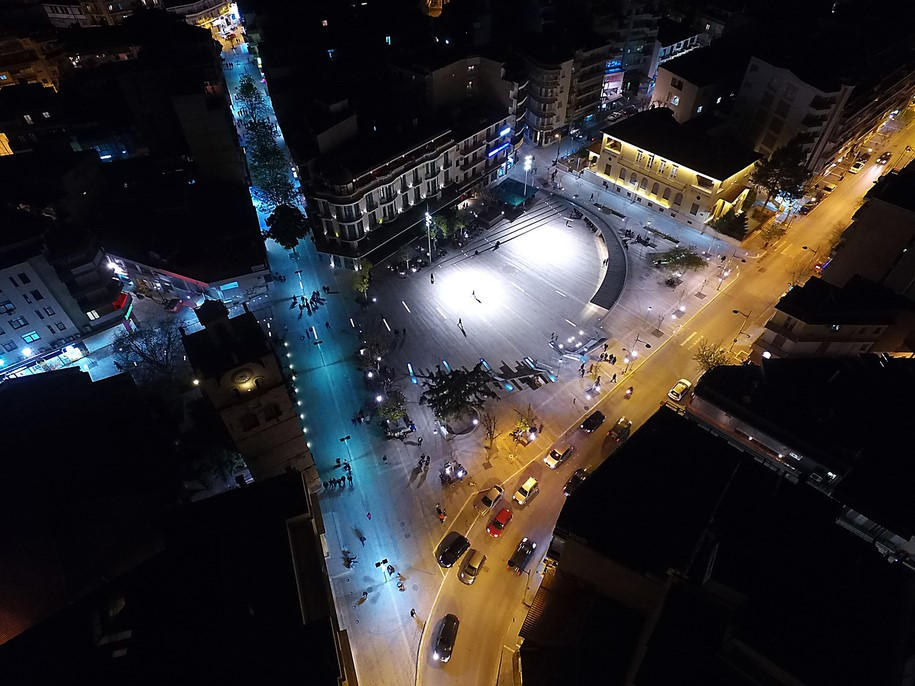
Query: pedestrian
[605,347]
[419,441]
[432,277]
[613,378]
[349,478]
[412,612]
[592,197]
[597,382]
[404,333]
[325,485]
[369,515]
[362,540]
[365,594]
[384,458]
[460,323]
[591,369]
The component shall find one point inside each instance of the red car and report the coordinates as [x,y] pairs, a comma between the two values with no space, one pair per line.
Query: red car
[499,522]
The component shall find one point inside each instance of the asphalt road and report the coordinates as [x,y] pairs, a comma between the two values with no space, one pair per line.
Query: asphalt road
[491,611]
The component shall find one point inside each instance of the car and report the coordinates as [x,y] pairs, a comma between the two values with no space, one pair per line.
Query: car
[447,635]
[493,495]
[557,456]
[594,420]
[620,430]
[856,167]
[470,570]
[526,491]
[679,391]
[884,158]
[577,479]
[452,547]
[809,206]
[416,264]
[499,522]
[828,188]
[522,555]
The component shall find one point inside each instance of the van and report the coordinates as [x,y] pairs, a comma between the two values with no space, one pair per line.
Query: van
[473,563]
[526,491]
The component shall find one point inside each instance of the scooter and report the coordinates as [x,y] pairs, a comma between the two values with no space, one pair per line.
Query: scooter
[628,393]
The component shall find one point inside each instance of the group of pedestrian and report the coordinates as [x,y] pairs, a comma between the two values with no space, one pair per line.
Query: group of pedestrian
[359,418]
[424,462]
[338,483]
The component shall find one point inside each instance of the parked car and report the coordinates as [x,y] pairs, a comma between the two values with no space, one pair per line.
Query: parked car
[620,430]
[453,546]
[884,158]
[522,555]
[472,566]
[828,188]
[577,479]
[526,491]
[499,522]
[594,420]
[557,456]
[679,391]
[856,167]
[493,495]
[447,635]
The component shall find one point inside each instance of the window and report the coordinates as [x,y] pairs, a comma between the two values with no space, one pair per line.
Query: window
[662,165]
[49,311]
[675,100]
[638,156]
[650,163]
[60,326]
[51,329]
[387,40]
[718,100]
[24,278]
[673,170]
[644,183]
[92,314]
[31,337]
[6,307]
[28,118]
[27,298]
[470,85]
[324,23]
[699,109]
[694,209]
[9,346]
[13,281]
[622,173]
[40,315]
[633,179]
[655,188]
[46,115]
[607,169]
[667,193]
[676,83]
[37,295]
[678,198]
[19,322]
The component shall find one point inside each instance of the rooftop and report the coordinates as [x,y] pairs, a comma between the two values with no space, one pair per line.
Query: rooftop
[896,188]
[849,414]
[169,220]
[723,62]
[689,144]
[225,344]
[672,32]
[859,302]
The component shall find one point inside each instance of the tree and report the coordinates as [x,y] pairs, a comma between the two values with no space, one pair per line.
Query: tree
[784,172]
[680,260]
[287,226]
[377,344]
[488,420]
[732,223]
[252,102]
[524,424]
[268,166]
[151,353]
[772,231]
[394,406]
[710,355]
[456,394]
[363,279]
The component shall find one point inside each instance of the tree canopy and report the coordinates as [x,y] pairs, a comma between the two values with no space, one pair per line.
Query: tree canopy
[784,172]
[252,105]
[456,394]
[710,355]
[680,259]
[732,223]
[287,226]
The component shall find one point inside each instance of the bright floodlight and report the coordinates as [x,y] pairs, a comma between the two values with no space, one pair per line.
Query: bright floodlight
[378,398]
[528,159]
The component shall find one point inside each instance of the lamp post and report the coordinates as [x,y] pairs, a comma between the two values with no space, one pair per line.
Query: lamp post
[746,318]
[429,233]
[528,159]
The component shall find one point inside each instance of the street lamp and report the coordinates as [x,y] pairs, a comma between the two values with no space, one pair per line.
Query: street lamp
[746,318]
[429,233]
[528,159]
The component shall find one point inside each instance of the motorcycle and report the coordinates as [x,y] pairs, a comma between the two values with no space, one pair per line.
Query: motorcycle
[628,393]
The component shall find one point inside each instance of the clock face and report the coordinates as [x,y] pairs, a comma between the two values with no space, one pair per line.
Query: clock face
[242,376]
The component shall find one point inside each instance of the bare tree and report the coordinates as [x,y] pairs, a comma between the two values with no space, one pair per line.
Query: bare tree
[152,352]
[488,420]
[710,355]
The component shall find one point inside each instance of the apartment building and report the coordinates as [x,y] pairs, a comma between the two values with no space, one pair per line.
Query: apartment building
[29,59]
[676,39]
[58,298]
[366,196]
[88,13]
[820,319]
[566,86]
[676,169]
[631,29]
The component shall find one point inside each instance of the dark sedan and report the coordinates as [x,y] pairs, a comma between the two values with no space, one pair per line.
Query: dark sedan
[453,546]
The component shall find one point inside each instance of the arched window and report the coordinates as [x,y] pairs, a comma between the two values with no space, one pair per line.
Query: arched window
[654,188]
[633,179]
[644,183]
[678,198]
[667,193]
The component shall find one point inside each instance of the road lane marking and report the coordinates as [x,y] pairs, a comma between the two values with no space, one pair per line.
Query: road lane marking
[688,338]
[386,325]
[562,294]
[438,309]
[518,287]
[405,306]
[572,323]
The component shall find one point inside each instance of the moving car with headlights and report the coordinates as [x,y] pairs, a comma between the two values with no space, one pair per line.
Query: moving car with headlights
[884,158]
[620,431]
[557,456]
[499,522]
[493,495]
[453,546]
[679,391]
[447,635]
[526,491]
[522,555]
[577,479]
[594,420]
[472,566]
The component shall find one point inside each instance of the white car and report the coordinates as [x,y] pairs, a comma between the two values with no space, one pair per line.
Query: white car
[557,456]
[679,391]
[493,495]
[829,188]
[856,167]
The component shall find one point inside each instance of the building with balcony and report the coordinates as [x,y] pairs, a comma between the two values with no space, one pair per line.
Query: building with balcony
[880,242]
[85,14]
[836,424]
[243,379]
[29,59]
[368,196]
[676,169]
[676,39]
[819,319]
[630,27]
[701,82]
